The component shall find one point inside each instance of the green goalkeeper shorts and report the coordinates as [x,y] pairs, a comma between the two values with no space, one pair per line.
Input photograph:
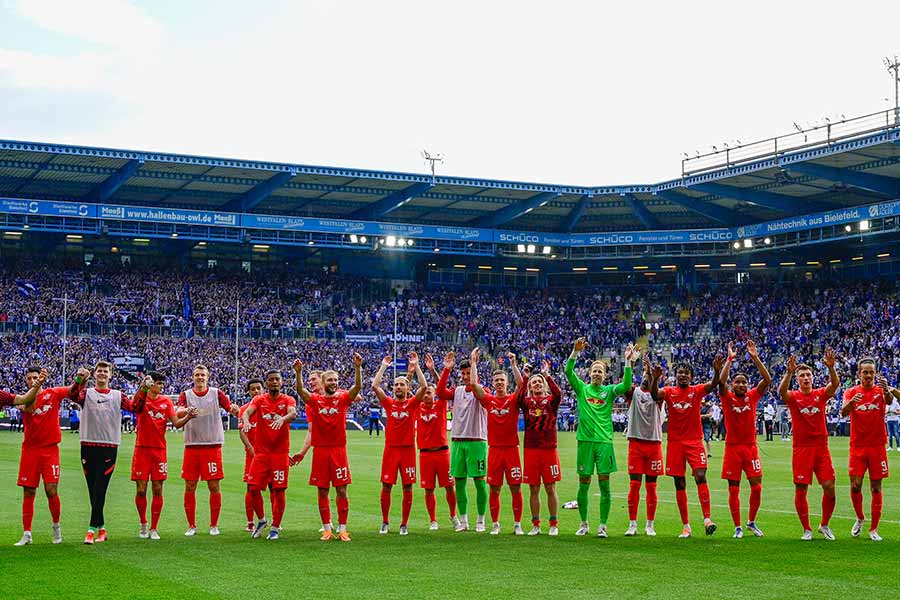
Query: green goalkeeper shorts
[468,458]
[596,457]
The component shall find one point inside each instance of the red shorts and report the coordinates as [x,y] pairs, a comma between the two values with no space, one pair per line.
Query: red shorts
[202,463]
[38,463]
[741,457]
[868,458]
[398,458]
[329,467]
[645,458]
[504,460]
[149,463]
[541,465]
[269,469]
[679,453]
[435,466]
[812,459]
[248,460]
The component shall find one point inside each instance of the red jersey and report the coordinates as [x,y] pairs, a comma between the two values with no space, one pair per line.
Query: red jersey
[6,398]
[740,416]
[867,417]
[152,418]
[401,421]
[540,415]
[683,406]
[42,422]
[431,430]
[328,415]
[808,417]
[502,419]
[268,440]
[254,421]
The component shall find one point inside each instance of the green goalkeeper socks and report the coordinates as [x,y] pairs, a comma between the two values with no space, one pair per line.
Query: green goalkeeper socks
[462,498]
[481,496]
[584,490]
[605,501]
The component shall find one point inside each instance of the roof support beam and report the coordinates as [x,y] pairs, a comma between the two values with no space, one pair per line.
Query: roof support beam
[255,195]
[576,213]
[779,202]
[641,212]
[867,181]
[513,211]
[112,183]
[393,201]
[699,206]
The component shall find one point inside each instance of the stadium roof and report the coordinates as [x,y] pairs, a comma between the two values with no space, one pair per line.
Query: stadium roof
[854,162]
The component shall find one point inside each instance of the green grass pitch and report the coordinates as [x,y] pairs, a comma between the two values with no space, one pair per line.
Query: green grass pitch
[437,564]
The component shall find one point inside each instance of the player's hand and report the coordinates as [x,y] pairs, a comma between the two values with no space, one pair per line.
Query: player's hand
[295,459]
[429,362]
[881,381]
[632,352]
[751,349]
[277,423]
[449,360]
[657,371]
[147,382]
[830,357]
[512,358]
[297,365]
[527,369]
[82,373]
[44,375]
[718,361]
[856,398]
[412,361]
[545,367]
[386,361]
[732,351]
[791,365]
[193,412]
[475,354]
[357,359]
[580,344]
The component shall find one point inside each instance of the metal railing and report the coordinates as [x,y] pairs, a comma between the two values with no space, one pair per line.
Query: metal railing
[802,139]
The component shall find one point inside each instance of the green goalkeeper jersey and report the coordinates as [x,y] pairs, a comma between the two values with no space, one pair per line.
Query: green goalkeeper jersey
[595,404]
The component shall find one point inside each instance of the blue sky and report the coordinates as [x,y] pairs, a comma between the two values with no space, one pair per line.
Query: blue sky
[568,92]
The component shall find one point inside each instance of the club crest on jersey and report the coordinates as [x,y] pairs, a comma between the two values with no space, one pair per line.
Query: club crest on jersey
[809,410]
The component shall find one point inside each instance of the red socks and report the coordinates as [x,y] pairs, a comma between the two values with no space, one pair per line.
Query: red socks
[703,493]
[553,522]
[190,508]
[634,498]
[27,512]
[278,504]
[343,507]
[755,501]
[258,506]
[215,507]
[734,504]
[407,506]
[652,500]
[431,505]
[681,500]
[385,505]
[156,505]
[54,508]
[876,509]
[802,507]
[248,505]
[828,503]
[494,502]
[141,503]
[325,509]
[857,500]
[451,501]
[517,504]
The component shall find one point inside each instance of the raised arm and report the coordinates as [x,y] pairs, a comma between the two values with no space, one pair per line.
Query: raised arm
[357,377]
[656,373]
[302,392]
[784,387]
[726,368]
[572,377]
[376,381]
[477,389]
[140,398]
[442,391]
[76,392]
[632,352]
[718,361]
[555,392]
[416,368]
[514,365]
[763,386]
[26,400]
[429,364]
[833,380]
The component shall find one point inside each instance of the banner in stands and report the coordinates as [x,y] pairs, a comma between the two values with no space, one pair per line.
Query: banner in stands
[368,337]
[46,208]
[626,238]
[840,216]
[175,216]
[132,363]
[348,226]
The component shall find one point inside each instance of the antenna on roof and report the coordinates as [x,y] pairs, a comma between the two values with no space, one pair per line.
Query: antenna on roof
[893,67]
[432,158]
